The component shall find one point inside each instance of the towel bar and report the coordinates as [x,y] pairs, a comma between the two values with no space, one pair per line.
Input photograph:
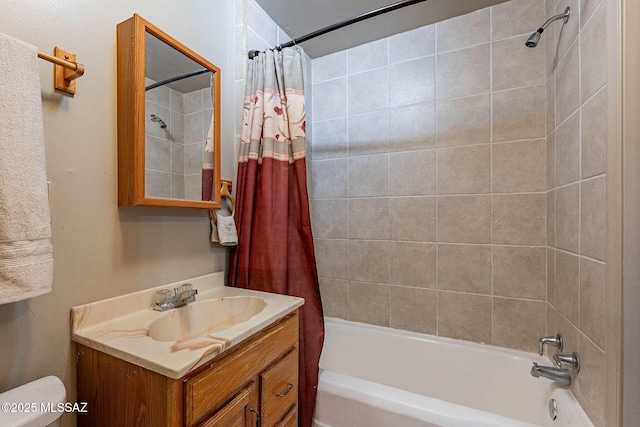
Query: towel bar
[66,69]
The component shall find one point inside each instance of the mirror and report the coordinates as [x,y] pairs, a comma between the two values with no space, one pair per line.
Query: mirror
[168,121]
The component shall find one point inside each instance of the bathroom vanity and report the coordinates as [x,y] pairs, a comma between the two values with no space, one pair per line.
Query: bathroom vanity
[244,372]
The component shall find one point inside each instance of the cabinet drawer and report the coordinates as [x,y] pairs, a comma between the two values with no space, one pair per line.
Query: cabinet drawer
[291,419]
[279,389]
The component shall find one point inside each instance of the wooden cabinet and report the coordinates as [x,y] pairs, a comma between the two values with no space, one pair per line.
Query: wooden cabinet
[253,384]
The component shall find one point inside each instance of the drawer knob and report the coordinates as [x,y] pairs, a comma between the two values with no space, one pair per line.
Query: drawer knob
[284,393]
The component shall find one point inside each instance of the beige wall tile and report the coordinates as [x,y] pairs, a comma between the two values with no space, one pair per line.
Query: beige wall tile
[368,56]
[464,219]
[589,381]
[413,173]
[330,99]
[369,303]
[570,334]
[568,151]
[368,218]
[464,316]
[413,218]
[593,218]
[335,297]
[568,84]
[552,324]
[519,219]
[568,286]
[413,309]
[412,44]
[464,121]
[519,167]
[565,35]
[369,261]
[593,124]
[516,17]
[551,103]
[514,67]
[368,176]
[551,276]
[519,272]
[464,170]
[551,218]
[330,139]
[332,258]
[412,127]
[463,72]
[463,31]
[329,179]
[369,133]
[412,264]
[551,161]
[519,114]
[518,324]
[464,268]
[374,81]
[412,82]
[568,217]
[593,48]
[592,300]
[330,219]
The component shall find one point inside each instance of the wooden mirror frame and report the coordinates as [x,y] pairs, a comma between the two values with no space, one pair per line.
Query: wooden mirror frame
[131,42]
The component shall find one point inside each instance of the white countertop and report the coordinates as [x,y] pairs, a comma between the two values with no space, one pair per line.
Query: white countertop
[119,326]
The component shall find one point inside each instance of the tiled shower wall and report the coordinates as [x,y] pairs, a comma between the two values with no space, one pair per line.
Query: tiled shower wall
[429,179]
[174,154]
[576,200]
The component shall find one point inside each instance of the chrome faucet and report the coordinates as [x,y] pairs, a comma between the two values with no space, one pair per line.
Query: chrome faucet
[560,375]
[166,299]
[567,359]
[552,341]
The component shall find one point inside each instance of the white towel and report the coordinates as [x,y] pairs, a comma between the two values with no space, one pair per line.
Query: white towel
[214,232]
[227,231]
[26,262]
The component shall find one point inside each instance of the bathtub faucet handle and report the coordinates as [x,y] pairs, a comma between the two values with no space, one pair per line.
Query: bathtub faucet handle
[552,341]
[567,359]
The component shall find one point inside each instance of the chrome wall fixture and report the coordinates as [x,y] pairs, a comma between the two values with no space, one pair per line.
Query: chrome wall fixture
[534,39]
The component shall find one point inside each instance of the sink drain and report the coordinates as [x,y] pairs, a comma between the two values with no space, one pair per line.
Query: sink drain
[553,409]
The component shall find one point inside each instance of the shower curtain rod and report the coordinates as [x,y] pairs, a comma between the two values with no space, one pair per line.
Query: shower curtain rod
[176,78]
[344,23]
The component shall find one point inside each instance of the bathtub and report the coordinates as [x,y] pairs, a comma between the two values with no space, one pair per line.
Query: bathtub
[380,377]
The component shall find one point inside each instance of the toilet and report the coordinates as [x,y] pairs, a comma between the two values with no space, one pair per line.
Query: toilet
[37,404]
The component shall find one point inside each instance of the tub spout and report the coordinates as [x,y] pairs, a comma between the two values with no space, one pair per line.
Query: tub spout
[562,376]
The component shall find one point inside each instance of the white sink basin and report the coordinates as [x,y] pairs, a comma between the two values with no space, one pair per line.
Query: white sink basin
[204,318]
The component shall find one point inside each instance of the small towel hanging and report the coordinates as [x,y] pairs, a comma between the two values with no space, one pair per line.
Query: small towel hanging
[223,228]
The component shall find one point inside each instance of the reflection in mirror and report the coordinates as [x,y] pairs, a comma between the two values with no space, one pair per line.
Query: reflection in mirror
[178,118]
[168,121]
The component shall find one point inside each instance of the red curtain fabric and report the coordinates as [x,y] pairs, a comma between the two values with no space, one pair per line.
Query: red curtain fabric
[275,245]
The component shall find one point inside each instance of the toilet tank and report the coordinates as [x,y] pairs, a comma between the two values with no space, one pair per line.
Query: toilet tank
[34,404]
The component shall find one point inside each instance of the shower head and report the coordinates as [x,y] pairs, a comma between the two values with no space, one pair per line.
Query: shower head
[534,39]
[157,119]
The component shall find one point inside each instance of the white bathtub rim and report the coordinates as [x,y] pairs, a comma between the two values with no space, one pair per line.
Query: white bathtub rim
[404,402]
[520,354]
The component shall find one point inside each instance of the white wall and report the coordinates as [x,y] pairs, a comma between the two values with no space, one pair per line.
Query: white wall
[99,250]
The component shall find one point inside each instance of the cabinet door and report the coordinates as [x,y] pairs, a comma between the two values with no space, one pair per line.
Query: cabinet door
[279,389]
[241,411]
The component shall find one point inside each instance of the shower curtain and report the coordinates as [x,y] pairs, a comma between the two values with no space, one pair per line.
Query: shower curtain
[275,245]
